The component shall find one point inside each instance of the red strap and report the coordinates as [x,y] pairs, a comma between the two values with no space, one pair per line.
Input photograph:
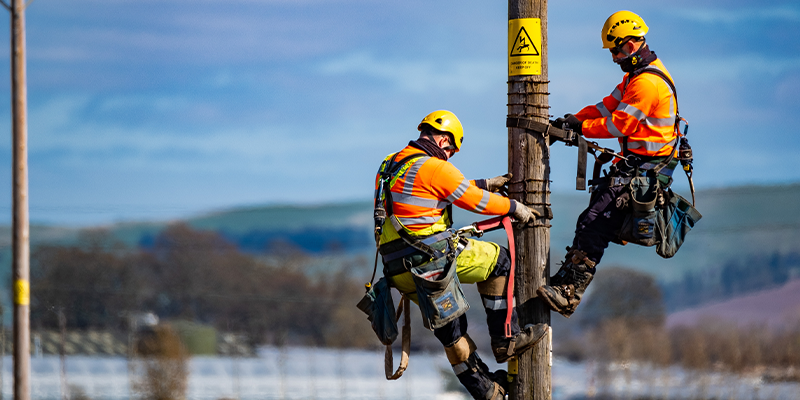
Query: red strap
[506,220]
[489,224]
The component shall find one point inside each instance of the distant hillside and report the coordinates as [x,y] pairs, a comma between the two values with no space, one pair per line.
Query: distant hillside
[740,225]
[759,308]
[314,229]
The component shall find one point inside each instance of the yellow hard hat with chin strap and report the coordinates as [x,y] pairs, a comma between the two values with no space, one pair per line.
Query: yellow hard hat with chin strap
[620,25]
[445,121]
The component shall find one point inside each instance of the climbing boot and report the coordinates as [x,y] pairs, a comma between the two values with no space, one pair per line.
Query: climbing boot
[497,393]
[479,381]
[569,284]
[505,348]
[499,377]
[560,277]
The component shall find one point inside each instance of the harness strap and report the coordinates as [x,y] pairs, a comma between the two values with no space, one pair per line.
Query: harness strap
[388,361]
[657,169]
[408,250]
[491,224]
[583,150]
[510,292]
[398,226]
[412,241]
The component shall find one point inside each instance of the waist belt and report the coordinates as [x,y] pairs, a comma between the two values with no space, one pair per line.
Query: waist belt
[619,180]
[409,250]
[664,171]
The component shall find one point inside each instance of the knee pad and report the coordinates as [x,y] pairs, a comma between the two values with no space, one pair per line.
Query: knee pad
[459,352]
[493,286]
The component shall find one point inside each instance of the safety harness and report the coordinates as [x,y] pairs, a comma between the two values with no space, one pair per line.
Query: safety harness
[603,155]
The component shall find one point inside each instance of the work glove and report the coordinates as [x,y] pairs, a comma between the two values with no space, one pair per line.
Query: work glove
[523,214]
[569,121]
[499,184]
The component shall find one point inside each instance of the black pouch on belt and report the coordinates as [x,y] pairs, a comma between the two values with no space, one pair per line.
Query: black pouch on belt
[641,223]
[379,307]
[441,299]
[677,218]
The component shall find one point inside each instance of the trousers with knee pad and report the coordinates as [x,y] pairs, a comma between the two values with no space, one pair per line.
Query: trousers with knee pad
[493,294]
[472,372]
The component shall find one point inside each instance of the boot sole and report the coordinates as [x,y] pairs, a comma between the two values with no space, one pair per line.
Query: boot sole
[543,295]
[521,350]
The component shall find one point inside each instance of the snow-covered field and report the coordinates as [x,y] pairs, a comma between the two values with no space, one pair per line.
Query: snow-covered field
[315,373]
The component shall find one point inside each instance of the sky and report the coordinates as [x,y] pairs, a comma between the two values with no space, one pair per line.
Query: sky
[162,109]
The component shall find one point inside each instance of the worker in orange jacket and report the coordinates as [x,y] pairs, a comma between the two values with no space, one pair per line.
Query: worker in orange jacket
[423,189]
[641,113]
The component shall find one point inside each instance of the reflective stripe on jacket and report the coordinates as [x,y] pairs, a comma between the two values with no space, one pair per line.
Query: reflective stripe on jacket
[422,189]
[642,109]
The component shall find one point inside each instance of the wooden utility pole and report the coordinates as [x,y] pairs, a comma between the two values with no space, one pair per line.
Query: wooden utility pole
[529,163]
[21,231]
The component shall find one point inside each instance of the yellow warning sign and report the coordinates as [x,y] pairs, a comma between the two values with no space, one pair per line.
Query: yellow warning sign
[524,45]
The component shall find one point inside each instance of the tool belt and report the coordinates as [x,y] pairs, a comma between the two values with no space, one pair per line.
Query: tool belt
[656,215]
[441,299]
[639,226]
[397,249]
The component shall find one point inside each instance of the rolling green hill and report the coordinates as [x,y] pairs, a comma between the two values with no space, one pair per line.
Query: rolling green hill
[739,224]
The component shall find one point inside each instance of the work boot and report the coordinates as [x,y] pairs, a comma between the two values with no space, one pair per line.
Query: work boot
[574,256]
[569,284]
[505,348]
[497,394]
[499,377]
[479,382]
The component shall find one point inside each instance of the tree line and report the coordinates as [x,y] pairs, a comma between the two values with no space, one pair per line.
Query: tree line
[188,274]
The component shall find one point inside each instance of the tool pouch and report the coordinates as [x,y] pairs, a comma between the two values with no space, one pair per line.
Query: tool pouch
[379,307]
[641,223]
[677,218]
[441,299]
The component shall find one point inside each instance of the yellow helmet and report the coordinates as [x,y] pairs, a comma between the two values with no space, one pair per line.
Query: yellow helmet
[445,121]
[620,25]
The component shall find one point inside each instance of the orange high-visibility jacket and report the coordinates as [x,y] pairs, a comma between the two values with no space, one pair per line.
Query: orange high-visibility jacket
[423,190]
[643,109]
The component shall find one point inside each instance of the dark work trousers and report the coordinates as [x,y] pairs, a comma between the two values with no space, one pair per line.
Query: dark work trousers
[599,223]
[495,319]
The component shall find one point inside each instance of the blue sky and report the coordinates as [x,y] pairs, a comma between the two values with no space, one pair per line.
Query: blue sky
[161,109]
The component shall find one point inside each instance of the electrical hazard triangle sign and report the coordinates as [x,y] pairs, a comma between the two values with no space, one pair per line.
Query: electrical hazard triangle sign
[523,45]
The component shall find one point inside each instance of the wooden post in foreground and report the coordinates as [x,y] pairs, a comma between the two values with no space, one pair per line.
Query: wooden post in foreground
[529,163]
[21,231]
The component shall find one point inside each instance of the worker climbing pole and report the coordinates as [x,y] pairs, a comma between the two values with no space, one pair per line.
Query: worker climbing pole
[529,165]
[427,261]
